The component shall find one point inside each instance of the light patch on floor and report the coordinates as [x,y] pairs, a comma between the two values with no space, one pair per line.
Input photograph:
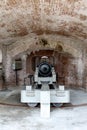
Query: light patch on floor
[26,118]
[12,96]
[15,118]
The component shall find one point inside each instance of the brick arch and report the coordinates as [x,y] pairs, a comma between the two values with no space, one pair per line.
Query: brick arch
[61,63]
[67,59]
[27,47]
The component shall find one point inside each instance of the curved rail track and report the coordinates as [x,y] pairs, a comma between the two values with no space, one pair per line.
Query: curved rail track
[25,105]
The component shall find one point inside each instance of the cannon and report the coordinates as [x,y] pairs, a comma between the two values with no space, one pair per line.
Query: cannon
[44,89]
[44,70]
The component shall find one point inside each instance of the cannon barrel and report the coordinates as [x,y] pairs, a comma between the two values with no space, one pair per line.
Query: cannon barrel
[44,69]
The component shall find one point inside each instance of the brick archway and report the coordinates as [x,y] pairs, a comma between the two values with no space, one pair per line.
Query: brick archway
[68,59]
[61,63]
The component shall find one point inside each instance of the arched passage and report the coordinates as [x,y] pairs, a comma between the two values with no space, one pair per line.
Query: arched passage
[68,58]
[62,61]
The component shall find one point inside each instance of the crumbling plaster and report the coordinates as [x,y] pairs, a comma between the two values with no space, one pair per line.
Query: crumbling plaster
[29,44]
[62,17]
[23,23]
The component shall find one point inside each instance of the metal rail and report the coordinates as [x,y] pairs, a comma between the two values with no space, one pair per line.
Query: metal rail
[66,106]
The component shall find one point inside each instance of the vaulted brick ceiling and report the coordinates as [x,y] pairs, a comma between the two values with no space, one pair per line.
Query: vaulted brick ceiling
[24,17]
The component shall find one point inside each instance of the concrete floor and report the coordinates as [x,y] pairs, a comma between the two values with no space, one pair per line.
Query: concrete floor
[12,96]
[25,118]
[16,118]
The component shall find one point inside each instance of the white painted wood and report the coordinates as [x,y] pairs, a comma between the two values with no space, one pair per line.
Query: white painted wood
[45,104]
[61,87]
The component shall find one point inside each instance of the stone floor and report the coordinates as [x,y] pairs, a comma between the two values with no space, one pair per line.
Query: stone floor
[12,96]
[25,118]
[16,118]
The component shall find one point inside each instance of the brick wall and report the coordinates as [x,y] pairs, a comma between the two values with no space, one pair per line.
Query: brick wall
[70,57]
[23,25]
